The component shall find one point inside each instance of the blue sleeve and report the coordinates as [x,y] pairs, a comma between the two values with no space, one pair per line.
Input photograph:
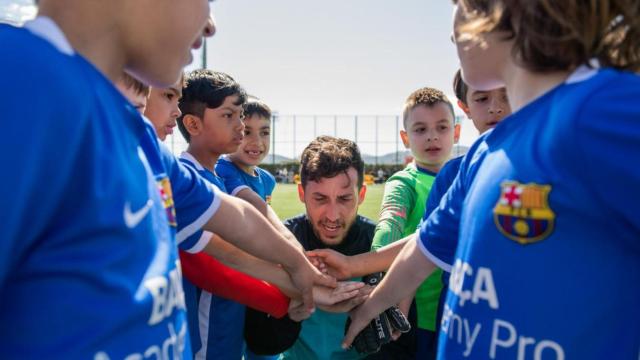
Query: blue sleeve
[443,181]
[45,129]
[438,235]
[269,182]
[608,136]
[230,175]
[196,201]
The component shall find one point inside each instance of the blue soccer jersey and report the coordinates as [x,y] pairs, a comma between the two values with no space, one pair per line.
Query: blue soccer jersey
[262,182]
[88,259]
[215,323]
[544,207]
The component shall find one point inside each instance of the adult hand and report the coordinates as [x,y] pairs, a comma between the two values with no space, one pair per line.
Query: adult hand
[349,304]
[336,264]
[304,276]
[344,290]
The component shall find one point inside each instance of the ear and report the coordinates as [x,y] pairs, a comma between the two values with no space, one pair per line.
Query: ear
[192,123]
[456,133]
[363,192]
[463,107]
[301,193]
[405,138]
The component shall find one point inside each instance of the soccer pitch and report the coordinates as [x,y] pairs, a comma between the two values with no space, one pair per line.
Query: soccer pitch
[286,204]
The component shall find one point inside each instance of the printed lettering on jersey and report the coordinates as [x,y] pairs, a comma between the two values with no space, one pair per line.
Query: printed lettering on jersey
[522,212]
[164,185]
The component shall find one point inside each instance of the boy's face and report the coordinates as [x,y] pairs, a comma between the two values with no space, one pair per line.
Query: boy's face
[482,61]
[162,109]
[332,205]
[138,100]
[157,43]
[486,108]
[255,145]
[222,128]
[429,135]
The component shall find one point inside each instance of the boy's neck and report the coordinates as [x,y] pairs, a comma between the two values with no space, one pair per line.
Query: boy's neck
[432,168]
[93,35]
[524,86]
[206,158]
[249,169]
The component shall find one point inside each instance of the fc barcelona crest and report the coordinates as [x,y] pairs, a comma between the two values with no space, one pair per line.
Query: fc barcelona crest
[167,200]
[522,213]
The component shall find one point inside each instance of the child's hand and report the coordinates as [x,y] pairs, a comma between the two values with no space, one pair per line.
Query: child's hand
[297,311]
[336,264]
[304,276]
[349,304]
[345,290]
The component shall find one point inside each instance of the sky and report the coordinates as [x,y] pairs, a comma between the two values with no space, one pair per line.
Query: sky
[330,57]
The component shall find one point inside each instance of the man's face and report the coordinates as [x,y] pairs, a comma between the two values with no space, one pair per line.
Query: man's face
[162,109]
[332,205]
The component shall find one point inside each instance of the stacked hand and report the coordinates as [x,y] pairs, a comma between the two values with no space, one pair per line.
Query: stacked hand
[344,297]
[384,327]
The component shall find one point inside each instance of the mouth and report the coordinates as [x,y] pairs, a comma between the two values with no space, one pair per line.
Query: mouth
[169,129]
[492,123]
[432,150]
[197,44]
[331,228]
[253,153]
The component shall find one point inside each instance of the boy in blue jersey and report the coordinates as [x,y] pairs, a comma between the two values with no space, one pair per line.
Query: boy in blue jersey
[485,109]
[211,122]
[245,179]
[542,244]
[91,220]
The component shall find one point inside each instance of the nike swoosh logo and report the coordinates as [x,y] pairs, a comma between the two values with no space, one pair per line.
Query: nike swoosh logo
[132,219]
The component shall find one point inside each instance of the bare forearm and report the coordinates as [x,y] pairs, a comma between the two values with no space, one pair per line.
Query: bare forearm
[379,260]
[243,226]
[237,259]
[406,273]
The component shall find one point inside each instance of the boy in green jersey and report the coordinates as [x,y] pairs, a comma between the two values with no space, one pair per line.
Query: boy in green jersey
[428,121]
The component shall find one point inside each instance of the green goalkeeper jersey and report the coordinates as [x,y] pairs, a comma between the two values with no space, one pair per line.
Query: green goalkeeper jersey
[402,209]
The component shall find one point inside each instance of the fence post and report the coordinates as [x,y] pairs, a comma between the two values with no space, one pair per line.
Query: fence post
[273,139]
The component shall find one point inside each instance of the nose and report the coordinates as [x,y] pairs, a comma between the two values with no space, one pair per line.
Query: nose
[495,107]
[210,26]
[332,213]
[432,135]
[176,113]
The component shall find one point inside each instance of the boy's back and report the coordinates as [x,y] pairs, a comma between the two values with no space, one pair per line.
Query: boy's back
[87,228]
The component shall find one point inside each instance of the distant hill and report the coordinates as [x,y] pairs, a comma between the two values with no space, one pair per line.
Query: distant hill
[386,159]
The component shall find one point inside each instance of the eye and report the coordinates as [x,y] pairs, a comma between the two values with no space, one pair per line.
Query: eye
[481,99]
[169,96]
[420,130]
[247,132]
[265,133]
[443,127]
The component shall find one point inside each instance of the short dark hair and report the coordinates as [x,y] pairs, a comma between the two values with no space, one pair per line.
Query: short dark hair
[328,156]
[460,88]
[255,106]
[132,83]
[206,89]
[425,96]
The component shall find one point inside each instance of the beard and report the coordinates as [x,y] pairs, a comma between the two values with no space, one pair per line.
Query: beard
[331,233]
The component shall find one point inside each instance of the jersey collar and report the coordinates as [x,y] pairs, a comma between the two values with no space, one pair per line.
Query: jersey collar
[45,28]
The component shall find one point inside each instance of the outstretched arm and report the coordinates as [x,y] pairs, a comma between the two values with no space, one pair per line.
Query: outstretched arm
[211,275]
[407,272]
[258,237]
[346,267]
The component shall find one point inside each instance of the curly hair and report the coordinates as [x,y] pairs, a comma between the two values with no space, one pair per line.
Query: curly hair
[327,156]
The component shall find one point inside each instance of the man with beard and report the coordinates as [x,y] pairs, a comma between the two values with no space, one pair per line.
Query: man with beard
[332,189]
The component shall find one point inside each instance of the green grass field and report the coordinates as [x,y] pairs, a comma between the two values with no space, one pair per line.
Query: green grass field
[286,203]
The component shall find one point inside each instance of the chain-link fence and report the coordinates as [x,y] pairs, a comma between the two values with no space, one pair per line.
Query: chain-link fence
[376,135]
